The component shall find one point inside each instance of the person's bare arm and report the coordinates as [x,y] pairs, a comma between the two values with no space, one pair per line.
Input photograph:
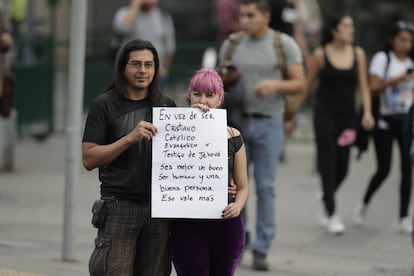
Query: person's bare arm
[378,85]
[302,42]
[94,155]
[315,64]
[313,69]
[367,118]
[240,177]
[133,9]
[232,188]
[295,82]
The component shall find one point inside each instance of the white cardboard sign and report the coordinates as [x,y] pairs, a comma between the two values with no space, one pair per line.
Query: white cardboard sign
[189,163]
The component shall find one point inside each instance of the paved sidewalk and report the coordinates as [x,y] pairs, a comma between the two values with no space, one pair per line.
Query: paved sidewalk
[31,219]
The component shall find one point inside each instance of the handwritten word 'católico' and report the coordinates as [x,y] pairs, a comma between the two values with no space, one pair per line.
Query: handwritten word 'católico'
[179,138]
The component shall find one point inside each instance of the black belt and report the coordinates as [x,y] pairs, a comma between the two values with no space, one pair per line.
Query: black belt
[112,198]
[118,199]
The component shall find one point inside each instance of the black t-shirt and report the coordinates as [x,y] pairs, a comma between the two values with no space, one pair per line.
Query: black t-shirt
[234,143]
[112,116]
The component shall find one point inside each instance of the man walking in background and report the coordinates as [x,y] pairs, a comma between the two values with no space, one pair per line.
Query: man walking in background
[254,64]
[144,19]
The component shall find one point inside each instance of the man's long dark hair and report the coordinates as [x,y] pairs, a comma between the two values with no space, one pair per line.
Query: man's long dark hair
[119,80]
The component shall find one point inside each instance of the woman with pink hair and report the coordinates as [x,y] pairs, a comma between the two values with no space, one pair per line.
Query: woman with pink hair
[209,246]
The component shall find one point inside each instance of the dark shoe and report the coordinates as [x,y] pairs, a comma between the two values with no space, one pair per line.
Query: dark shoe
[259,261]
[246,240]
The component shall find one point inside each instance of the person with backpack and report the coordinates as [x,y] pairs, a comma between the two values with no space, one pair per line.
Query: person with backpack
[253,65]
[285,18]
[144,19]
[340,67]
[391,78]
[8,115]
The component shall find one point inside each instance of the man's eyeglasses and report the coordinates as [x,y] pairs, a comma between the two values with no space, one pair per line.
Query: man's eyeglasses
[138,64]
[403,25]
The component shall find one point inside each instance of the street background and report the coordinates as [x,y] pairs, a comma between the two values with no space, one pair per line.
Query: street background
[32,196]
[31,219]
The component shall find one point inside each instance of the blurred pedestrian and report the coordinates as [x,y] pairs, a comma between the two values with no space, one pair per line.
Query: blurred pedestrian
[7,113]
[144,19]
[285,18]
[117,140]
[340,67]
[227,17]
[391,77]
[254,65]
[19,27]
[310,21]
[213,247]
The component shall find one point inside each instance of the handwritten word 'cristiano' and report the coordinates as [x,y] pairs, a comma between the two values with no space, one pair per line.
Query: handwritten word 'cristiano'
[180,127]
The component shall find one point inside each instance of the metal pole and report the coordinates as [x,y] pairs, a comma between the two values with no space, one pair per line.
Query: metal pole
[73,129]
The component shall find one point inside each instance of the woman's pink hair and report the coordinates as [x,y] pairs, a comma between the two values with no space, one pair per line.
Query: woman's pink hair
[206,81]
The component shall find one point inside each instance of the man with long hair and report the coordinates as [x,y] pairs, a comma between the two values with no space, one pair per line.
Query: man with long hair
[117,140]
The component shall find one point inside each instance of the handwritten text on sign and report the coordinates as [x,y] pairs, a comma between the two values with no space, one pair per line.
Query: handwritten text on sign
[189,163]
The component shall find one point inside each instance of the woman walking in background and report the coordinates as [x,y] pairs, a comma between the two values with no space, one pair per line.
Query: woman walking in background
[391,77]
[340,67]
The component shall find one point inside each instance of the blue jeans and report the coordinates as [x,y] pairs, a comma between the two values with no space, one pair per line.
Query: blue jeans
[264,140]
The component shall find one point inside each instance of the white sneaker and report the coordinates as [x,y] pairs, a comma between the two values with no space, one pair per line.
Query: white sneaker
[406,225]
[359,213]
[335,225]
